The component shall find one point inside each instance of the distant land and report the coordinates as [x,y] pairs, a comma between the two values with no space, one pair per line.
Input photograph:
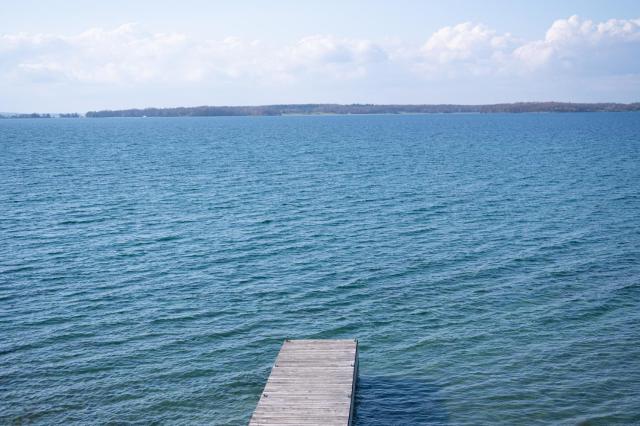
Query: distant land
[318,109]
[313,109]
[36,115]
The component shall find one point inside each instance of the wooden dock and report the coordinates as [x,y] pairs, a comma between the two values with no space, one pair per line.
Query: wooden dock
[312,382]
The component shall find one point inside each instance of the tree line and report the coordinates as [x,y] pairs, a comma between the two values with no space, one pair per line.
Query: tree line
[273,110]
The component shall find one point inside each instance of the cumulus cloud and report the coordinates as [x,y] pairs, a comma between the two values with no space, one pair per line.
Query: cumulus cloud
[466,47]
[94,55]
[585,46]
[572,44]
[130,56]
[465,41]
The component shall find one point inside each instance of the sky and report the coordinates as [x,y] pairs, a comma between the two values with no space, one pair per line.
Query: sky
[66,56]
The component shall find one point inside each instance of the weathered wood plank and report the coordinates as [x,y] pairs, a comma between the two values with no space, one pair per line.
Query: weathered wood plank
[312,382]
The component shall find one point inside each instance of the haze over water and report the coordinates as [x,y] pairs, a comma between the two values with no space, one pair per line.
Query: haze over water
[488,264]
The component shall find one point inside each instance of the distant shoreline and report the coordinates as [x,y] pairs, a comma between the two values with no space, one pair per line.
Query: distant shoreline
[345,109]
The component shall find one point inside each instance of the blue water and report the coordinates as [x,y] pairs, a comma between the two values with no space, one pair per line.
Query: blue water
[488,264]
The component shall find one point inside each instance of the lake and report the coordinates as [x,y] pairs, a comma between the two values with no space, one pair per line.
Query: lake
[488,264]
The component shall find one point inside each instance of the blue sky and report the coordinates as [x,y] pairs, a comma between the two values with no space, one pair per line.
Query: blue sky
[81,55]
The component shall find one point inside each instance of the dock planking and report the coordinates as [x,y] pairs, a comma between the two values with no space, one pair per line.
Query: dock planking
[312,382]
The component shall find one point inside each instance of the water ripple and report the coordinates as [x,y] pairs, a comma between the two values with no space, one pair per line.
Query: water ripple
[488,264]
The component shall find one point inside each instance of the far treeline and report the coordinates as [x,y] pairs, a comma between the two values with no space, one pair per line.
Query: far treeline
[310,109]
[319,109]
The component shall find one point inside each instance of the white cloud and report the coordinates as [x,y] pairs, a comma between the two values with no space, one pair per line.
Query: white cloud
[466,48]
[464,41]
[328,55]
[127,54]
[97,55]
[573,45]
[584,46]
[574,29]
[328,49]
[130,57]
